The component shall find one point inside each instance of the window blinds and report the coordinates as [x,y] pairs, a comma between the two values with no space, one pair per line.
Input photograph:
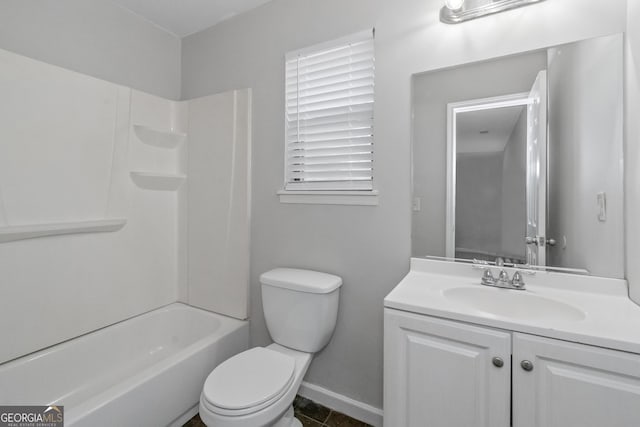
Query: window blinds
[329,116]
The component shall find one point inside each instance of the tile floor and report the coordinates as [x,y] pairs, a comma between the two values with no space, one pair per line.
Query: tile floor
[194,422]
[310,414]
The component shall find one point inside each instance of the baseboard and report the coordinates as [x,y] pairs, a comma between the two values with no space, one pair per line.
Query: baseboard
[353,408]
[182,419]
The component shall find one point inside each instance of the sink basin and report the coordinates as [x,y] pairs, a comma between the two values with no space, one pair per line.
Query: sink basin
[513,304]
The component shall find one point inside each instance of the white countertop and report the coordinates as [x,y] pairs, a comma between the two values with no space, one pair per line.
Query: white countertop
[611,319]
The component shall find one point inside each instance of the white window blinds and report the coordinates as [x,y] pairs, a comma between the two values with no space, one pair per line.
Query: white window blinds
[329,115]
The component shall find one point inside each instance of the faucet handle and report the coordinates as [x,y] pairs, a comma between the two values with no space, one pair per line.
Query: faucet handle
[517,281]
[504,276]
[487,277]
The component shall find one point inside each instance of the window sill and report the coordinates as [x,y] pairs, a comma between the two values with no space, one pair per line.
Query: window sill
[361,198]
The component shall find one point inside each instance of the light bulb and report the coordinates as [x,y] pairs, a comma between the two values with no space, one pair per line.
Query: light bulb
[454,4]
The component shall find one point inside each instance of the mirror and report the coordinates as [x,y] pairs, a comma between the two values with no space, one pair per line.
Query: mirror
[521,158]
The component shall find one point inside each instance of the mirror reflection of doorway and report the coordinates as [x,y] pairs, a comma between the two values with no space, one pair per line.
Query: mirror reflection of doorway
[497,177]
[585,158]
[490,184]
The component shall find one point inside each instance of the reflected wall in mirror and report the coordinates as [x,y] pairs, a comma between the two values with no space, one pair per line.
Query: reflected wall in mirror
[521,158]
[486,191]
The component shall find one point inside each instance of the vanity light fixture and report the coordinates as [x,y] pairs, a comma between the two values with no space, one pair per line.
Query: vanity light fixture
[454,4]
[457,11]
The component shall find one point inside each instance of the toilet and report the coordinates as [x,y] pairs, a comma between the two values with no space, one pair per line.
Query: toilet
[257,387]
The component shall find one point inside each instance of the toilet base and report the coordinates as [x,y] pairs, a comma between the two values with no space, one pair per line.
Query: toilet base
[288,420]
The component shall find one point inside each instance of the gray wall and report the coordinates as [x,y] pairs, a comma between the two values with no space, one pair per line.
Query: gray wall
[479,202]
[514,212]
[94,37]
[368,246]
[585,155]
[431,94]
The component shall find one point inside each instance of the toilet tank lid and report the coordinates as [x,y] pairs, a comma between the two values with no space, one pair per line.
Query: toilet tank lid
[295,279]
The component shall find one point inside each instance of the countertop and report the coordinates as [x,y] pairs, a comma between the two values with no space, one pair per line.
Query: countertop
[610,319]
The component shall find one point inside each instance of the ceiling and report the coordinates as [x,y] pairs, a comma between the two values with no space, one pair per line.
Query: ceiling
[184,17]
[486,131]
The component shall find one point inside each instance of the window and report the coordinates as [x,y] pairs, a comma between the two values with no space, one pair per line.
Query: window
[329,116]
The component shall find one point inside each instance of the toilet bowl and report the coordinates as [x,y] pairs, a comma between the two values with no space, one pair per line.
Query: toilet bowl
[257,390]
[257,387]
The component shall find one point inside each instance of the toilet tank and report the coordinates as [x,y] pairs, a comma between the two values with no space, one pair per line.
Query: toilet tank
[300,307]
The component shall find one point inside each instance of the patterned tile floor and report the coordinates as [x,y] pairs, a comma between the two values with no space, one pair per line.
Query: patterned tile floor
[310,414]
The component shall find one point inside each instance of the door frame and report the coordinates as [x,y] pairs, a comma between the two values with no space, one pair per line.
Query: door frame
[453,109]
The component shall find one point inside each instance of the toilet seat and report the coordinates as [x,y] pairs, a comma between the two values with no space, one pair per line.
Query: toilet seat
[268,373]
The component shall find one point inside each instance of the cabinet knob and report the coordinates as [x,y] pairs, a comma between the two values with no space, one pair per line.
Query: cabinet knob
[498,362]
[527,365]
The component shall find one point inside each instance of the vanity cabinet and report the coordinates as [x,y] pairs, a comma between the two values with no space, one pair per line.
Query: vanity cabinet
[573,385]
[443,373]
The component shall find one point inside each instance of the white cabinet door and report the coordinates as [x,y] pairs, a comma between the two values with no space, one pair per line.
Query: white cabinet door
[440,373]
[573,385]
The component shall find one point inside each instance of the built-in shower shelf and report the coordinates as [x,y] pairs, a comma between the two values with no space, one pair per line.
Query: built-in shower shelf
[159,138]
[22,232]
[157,181]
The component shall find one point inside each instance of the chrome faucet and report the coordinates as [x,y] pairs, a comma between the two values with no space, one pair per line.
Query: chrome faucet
[503,280]
[517,282]
[487,278]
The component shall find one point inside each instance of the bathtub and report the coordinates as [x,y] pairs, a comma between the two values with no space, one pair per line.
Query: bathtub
[145,371]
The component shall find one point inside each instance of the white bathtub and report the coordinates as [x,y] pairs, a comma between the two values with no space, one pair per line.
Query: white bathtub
[145,371]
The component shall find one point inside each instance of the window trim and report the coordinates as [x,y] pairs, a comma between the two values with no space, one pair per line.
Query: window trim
[362,197]
[330,197]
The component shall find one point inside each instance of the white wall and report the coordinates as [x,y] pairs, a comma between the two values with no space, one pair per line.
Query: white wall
[66,153]
[219,202]
[71,151]
[94,37]
[632,148]
[368,246]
